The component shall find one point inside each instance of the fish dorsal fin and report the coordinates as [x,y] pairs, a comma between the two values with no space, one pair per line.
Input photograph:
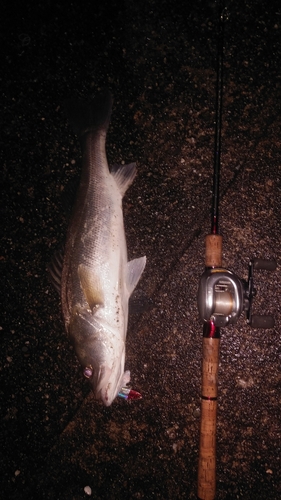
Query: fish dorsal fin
[91,287]
[55,269]
[123,176]
[134,271]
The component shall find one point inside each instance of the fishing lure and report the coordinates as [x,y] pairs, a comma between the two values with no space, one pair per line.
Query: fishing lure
[129,394]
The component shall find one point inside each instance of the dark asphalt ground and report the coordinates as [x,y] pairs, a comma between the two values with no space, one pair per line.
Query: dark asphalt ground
[159,60]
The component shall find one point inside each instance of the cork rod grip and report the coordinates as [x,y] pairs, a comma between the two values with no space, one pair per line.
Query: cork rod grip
[213,250]
[207,447]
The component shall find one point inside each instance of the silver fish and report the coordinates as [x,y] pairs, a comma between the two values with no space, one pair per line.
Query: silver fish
[97,279]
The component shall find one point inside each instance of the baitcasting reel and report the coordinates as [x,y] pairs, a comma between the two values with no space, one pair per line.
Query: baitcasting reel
[223,296]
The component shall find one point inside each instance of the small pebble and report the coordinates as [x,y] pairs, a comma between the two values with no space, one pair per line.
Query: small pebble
[197,413]
[88,490]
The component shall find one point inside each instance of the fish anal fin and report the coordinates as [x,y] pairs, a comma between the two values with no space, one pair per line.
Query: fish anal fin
[134,271]
[123,176]
[91,287]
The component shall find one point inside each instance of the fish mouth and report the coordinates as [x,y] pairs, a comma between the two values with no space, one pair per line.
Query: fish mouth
[105,397]
[101,385]
[105,388]
[102,382]
[106,393]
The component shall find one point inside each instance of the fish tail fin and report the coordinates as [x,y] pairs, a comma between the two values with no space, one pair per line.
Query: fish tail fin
[89,116]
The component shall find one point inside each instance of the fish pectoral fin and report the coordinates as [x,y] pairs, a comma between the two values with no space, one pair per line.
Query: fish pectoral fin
[123,176]
[91,287]
[134,271]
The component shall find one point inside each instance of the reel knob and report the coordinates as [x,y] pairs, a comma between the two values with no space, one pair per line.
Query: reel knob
[257,321]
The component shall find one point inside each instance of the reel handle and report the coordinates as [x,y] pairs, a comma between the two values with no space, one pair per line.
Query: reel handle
[256,320]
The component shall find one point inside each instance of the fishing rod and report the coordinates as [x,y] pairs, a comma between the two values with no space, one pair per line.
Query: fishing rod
[222,297]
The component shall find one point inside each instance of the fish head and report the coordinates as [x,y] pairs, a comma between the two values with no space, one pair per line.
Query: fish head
[100,352]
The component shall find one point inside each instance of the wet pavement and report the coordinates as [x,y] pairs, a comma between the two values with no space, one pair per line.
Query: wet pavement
[159,60]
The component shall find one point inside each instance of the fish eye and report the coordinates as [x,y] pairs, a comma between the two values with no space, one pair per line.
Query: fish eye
[88,372]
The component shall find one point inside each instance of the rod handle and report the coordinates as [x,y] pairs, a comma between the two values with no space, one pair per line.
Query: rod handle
[207,447]
[259,321]
[213,250]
